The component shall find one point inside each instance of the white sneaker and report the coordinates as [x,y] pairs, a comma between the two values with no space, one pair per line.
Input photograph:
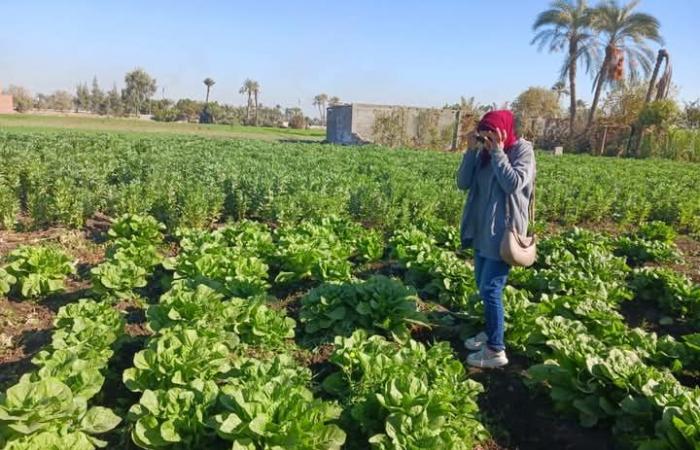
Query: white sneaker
[487,358]
[477,342]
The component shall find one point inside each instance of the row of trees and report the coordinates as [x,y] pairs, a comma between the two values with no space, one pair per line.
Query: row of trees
[133,99]
[137,98]
[607,39]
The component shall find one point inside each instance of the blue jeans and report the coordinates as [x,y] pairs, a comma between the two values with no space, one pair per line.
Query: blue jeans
[491,276]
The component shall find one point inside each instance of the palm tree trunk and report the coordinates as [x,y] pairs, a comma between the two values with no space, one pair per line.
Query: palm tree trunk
[596,96]
[247,109]
[206,102]
[654,75]
[256,107]
[573,49]
[599,85]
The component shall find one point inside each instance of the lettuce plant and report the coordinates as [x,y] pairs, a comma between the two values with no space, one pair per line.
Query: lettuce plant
[174,417]
[118,277]
[252,238]
[203,308]
[177,357]
[266,405]
[39,270]
[400,396]
[312,251]
[227,270]
[47,411]
[6,281]
[379,304]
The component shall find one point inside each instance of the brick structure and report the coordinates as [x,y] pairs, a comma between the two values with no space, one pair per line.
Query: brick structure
[6,104]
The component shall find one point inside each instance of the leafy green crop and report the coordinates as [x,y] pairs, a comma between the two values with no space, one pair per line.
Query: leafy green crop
[29,411]
[205,309]
[673,292]
[404,396]
[174,418]
[312,251]
[177,357]
[266,405]
[438,272]
[118,277]
[230,271]
[6,281]
[39,270]
[80,347]
[251,238]
[379,304]
[138,230]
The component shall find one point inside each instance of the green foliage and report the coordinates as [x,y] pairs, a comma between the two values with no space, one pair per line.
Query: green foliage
[65,178]
[535,103]
[577,261]
[657,231]
[266,405]
[602,383]
[659,113]
[137,230]
[404,396]
[48,407]
[674,293]
[205,309]
[652,242]
[9,207]
[251,238]
[6,281]
[174,418]
[438,272]
[47,411]
[639,251]
[118,277]
[178,357]
[206,259]
[312,251]
[39,270]
[380,304]
[132,256]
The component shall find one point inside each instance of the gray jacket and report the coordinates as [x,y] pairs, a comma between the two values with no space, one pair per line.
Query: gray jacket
[513,179]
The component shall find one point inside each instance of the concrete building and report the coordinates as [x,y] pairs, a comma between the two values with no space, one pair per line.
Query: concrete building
[6,104]
[356,123]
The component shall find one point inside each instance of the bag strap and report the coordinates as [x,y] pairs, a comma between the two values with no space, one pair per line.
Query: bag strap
[530,207]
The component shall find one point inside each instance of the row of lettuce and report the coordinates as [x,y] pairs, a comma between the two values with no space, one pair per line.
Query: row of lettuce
[222,369]
[218,349]
[565,316]
[48,407]
[64,178]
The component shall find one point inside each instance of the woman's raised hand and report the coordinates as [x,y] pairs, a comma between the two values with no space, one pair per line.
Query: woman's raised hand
[472,143]
[496,139]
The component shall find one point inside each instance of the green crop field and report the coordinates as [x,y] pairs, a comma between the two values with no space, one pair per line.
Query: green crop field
[185,292]
[136,127]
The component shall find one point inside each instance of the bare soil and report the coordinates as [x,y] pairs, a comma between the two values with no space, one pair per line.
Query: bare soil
[521,418]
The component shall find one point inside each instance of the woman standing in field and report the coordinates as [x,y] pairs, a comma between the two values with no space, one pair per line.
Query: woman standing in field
[498,168]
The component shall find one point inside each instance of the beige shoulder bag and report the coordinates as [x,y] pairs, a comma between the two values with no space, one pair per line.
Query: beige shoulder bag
[518,250]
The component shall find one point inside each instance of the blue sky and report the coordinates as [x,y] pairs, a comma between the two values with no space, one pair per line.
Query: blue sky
[407,52]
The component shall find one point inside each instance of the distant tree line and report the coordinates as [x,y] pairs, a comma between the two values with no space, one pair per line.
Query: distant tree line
[136,98]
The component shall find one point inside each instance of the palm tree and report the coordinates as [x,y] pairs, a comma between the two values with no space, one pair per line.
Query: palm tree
[334,100]
[249,87]
[626,34]
[256,91]
[320,102]
[208,82]
[559,88]
[566,25]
